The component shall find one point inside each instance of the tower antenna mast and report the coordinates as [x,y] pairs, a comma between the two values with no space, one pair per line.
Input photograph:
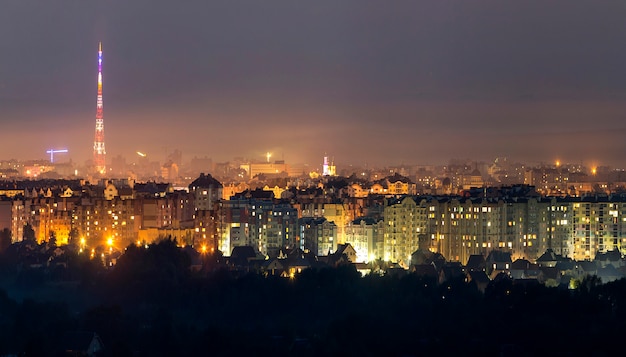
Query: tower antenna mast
[99,153]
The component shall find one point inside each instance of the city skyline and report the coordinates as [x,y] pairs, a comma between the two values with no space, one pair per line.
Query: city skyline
[416,83]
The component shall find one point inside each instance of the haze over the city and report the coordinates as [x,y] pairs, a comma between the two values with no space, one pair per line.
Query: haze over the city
[362,81]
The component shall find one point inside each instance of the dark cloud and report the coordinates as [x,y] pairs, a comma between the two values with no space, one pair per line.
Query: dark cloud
[408,81]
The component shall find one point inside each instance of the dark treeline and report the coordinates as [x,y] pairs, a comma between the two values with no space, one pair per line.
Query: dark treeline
[152,304]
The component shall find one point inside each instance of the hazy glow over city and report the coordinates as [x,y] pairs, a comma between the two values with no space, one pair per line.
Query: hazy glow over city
[419,82]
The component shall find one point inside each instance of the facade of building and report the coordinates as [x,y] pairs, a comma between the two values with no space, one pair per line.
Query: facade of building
[250,219]
[514,220]
[317,235]
[366,235]
[206,191]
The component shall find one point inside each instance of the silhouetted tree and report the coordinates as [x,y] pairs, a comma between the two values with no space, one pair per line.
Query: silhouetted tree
[162,261]
[52,239]
[73,237]
[5,239]
[29,232]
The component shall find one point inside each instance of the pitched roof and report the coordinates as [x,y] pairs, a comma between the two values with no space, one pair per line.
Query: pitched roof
[588,266]
[205,181]
[152,187]
[341,248]
[547,256]
[425,270]
[245,252]
[550,272]
[397,177]
[425,256]
[609,271]
[564,265]
[475,262]
[452,269]
[499,256]
[521,264]
[366,220]
[479,276]
[610,256]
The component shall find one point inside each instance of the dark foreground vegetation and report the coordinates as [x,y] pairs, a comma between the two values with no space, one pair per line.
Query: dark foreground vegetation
[152,304]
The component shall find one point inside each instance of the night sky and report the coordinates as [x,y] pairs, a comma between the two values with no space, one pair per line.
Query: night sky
[413,82]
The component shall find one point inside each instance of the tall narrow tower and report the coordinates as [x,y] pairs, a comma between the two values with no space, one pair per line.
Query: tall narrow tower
[99,154]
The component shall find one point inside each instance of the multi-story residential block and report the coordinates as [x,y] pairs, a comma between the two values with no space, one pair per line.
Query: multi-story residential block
[339,213]
[559,230]
[402,229]
[206,192]
[317,235]
[236,225]
[511,219]
[367,237]
[254,218]
[598,226]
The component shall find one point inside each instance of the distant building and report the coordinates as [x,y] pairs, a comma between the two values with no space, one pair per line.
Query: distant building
[206,191]
[278,168]
[328,168]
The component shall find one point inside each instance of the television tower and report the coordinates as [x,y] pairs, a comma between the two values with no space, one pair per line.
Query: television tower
[99,153]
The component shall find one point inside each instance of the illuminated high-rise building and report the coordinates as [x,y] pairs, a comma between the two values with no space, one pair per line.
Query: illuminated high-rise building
[99,153]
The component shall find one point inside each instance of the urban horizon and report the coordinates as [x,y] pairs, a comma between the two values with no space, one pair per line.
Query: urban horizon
[384,95]
[328,178]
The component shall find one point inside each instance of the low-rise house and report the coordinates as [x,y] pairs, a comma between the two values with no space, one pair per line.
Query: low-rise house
[498,262]
[153,189]
[424,256]
[295,265]
[548,259]
[519,268]
[608,273]
[588,268]
[550,276]
[479,279]
[476,262]
[425,271]
[274,266]
[570,268]
[241,257]
[345,253]
[450,271]
[612,257]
